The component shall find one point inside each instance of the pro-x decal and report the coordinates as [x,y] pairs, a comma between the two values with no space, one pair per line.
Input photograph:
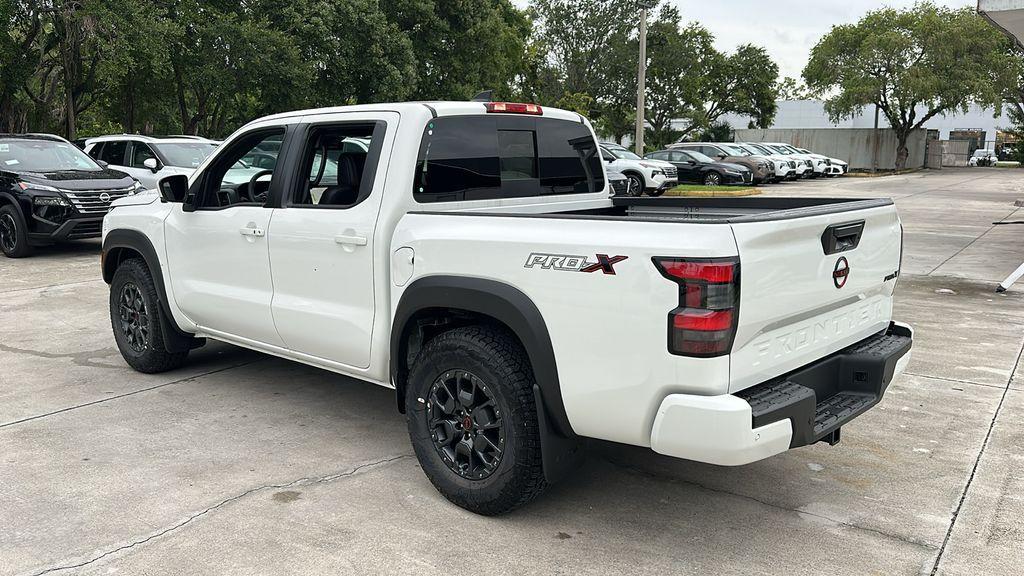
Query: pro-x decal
[568,263]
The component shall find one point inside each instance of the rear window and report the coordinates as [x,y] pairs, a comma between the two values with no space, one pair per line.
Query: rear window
[489,157]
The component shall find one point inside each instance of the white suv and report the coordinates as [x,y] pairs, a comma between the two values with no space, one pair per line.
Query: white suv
[645,175]
[149,158]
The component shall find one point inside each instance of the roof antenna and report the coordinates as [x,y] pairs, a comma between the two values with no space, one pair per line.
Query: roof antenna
[485,96]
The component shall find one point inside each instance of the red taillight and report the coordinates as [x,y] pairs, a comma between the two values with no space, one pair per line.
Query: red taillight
[703,320]
[704,324]
[514,108]
[692,270]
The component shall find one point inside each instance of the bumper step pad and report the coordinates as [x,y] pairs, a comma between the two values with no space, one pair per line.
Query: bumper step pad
[847,383]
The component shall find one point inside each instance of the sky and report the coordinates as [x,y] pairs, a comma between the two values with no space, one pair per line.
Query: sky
[788,29]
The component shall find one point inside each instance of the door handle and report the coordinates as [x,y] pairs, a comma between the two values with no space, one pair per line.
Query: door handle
[350,240]
[257,232]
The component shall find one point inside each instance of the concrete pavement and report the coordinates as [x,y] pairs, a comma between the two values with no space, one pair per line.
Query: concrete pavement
[240,463]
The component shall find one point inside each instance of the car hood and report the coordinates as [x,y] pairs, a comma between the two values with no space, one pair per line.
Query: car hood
[729,166]
[140,199]
[75,180]
[658,163]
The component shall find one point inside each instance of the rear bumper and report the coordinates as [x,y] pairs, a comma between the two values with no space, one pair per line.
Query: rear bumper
[806,406]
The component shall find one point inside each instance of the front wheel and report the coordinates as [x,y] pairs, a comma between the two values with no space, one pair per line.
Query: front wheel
[473,421]
[636,185]
[712,179]
[13,236]
[135,317]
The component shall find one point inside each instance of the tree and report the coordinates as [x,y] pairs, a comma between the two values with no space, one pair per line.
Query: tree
[681,60]
[576,40]
[790,88]
[913,64]
[462,46]
[691,81]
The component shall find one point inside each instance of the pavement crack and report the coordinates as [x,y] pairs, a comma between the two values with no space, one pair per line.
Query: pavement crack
[126,394]
[972,242]
[644,473]
[305,481]
[954,380]
[974,469]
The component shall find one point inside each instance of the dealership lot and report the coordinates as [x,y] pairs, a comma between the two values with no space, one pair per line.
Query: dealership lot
[241,463]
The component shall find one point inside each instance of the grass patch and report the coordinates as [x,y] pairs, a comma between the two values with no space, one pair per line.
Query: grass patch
[711,191]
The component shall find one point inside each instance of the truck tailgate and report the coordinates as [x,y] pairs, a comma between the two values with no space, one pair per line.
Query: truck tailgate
[810,286]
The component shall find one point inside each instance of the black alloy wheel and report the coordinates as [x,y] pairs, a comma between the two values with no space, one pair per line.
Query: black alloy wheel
[465,424]
[134,317]
[13,233]
[8,232]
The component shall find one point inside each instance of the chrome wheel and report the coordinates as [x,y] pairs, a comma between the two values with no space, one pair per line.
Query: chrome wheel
[8,233]
[134,317]
[712,179]
[465,424]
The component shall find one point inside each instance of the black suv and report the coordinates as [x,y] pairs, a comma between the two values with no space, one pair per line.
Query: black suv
[51,191]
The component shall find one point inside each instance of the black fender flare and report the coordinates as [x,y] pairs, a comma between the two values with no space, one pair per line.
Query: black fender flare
[8,198]
[175,339]
[507,304]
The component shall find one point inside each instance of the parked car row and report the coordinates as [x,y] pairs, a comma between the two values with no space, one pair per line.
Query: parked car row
[716,164]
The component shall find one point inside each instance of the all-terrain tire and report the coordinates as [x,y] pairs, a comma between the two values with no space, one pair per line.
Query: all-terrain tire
[13,225]
[146,354]
[498,362]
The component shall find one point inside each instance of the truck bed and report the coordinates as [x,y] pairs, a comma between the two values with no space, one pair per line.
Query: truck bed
[695,210]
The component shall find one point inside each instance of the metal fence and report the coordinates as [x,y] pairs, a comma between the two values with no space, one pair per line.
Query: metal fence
[854,145]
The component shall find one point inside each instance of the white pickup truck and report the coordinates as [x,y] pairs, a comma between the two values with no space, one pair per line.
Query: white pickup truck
[471,258]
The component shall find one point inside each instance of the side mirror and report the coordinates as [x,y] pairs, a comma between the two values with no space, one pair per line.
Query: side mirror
[102,163]
[722,156]
[173,188]
[152,164]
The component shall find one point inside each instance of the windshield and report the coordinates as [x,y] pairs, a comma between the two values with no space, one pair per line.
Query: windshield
[763,150]
[700,157]
[185,155]
[736,150]
[623,154]
[44,156]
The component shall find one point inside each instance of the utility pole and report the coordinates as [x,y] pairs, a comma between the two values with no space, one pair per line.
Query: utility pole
[641,79]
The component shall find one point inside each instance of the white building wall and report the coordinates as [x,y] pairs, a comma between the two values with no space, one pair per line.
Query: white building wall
[811,114]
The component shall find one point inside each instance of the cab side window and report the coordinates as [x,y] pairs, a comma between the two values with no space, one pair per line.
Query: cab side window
[232,180]
[338,164]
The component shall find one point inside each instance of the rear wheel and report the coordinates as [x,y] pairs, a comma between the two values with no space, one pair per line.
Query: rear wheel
[13,235]
[473,420]
[135,317]
[712,179]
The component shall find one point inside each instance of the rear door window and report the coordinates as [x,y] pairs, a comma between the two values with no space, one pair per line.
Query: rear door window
[113,152]
[490,157]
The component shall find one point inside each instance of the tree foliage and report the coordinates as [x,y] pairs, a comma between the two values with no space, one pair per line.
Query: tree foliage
[85,67]
[913,64]
[690,79]
[790,88]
